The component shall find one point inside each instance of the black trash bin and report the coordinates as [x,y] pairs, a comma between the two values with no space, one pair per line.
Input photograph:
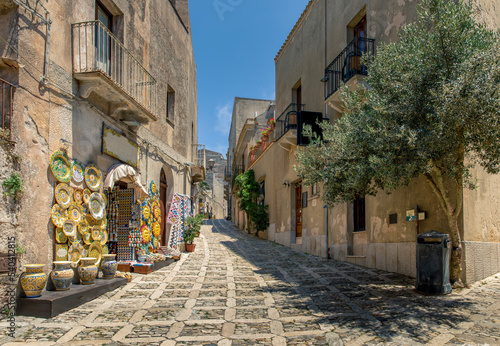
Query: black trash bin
[433,263]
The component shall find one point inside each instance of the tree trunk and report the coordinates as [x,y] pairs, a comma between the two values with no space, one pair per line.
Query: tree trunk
[456,250]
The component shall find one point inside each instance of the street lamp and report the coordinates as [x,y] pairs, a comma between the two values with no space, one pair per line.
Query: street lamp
[211,164]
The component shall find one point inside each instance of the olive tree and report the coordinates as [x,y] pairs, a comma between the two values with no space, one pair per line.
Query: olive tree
[430,108]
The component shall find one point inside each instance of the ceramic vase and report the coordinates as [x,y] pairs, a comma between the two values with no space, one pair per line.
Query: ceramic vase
[87,270]
[33,280]
[109,266]
[62,275]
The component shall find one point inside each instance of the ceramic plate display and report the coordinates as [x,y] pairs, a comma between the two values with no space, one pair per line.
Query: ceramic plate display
[104,198]
[78,196]
[156,212]
[87,238]
[75,252]
[155,242]
[61,252]
[156,229]
[85,250]
[146,234]
[95,250]
[83,226]
[75,213]
[146,212]
[90,220]
[61,238]
[64,195]
[153,187]
[60,166]
[93,177]
[97,207]
[86,196]
[104,237]
[97,233]
[69,228]
[105,250]
[77,169]
[58,215]
[103,223]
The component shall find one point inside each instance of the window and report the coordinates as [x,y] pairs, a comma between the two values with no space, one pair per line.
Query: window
[170,103]
[314,189]
[6,98]
[103,39]
[304,199]
[359,214]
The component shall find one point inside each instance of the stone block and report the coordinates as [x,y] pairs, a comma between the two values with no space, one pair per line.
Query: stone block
[380,254]
[391,259]
[371,255]
[404,258]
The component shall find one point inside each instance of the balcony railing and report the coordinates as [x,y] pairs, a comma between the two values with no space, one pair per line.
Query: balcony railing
[263,146]
[348,64]
[7,97]
[288,120]
[96,49]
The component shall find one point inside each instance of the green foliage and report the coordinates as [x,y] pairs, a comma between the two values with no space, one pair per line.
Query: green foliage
[13,185]
[248,192]
[193,227]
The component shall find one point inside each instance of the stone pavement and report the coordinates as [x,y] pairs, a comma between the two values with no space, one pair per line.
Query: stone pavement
[236,289]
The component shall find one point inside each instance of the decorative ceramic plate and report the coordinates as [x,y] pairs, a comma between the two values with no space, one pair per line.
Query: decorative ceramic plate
[78,196]
[105,250]
[153,187]
[60,166]
[97,207]
[93,177]
[85,251]
[83,226]
[90,220]
[104,237]
[156,212]
[87,238]
[63,195]
[85,209]
[75,213]
[155,242]
[95,250]
[61,252]
[146,234]
[104,198]
[156,229]
[75,252]
[61,238]
[69,228]
[97,233]
[86,196]
[58,215]
[103,223]
[77,169]
[146,212]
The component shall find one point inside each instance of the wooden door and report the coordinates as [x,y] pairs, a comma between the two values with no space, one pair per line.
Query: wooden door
[298,210]
[163,202]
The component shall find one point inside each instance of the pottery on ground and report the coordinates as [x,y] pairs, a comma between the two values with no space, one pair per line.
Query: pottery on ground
[87,270]
[62,275]
[109,266]
[190,247]
[33,280]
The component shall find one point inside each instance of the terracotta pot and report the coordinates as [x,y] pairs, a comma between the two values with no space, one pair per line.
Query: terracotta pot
[62,275]
[33,280]
[87,270]
[190,247]
[109,266]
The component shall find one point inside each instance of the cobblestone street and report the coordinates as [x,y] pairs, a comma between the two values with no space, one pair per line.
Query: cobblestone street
[236,289]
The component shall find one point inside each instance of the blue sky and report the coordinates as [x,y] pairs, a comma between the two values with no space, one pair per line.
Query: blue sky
[235,42]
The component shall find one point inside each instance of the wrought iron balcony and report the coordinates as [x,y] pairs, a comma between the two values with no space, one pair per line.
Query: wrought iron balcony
[102,64]
[288,120]
[6,100]
[348,64]
[290,124]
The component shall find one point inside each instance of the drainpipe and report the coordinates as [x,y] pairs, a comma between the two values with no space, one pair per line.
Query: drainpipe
[326,118]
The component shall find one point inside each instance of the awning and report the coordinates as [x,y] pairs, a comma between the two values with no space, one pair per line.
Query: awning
[127,174]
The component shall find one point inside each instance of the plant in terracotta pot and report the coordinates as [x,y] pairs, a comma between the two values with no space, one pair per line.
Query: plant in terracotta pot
[192,231]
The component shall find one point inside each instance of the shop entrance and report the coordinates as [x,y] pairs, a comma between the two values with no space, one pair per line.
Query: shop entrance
[163,202]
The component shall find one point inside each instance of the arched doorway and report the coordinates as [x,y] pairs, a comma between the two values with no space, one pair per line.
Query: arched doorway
[163,203]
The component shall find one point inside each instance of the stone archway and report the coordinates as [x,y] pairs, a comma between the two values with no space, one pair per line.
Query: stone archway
[166,193]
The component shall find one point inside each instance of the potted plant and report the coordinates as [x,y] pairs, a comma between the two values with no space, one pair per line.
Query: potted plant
[192,231]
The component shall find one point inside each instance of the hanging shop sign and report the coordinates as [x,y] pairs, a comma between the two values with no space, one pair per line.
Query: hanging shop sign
[119,146]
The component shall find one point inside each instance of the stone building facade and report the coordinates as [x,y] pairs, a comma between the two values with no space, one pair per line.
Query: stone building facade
[373,231]
[217,203]
[84,69]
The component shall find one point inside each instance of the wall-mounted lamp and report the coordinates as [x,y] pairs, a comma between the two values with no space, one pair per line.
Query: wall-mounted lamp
[324,79]
[211,164]
[286,183]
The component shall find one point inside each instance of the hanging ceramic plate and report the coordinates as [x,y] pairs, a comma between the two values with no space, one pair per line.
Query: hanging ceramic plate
[86,196]
[58,215]
[77,169]
[97,207]
[87,238]
[61,252]
[61,238]
[96,233]
[156,229]
[75,213]
[104,237]
[64,195]
[156,212]
[95,250]
[69,228]
[146,234]
[60,166]
[90,220]
[75,252]
[103,223]
[83,226]
[105,250]
[78,196]
[146,212]
[85,209]
[85,250]
[152,186]
[93,177]
[155,242]
[105,198]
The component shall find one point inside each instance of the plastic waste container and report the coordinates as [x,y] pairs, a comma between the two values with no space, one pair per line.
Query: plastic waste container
[433,263]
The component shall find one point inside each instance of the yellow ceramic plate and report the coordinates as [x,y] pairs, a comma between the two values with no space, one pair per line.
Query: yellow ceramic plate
[86,196]
[83,226]
[77,169]
[69,228]
[61,238]
[95,250]
[64,195]
[78,196]
[97,207]
[75,213]
[58,215]
[93,177]
[146,234]
[60,166]
[87,238]
[61,252]
[104,237]
[156,229]
[105,250]
[75,252]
